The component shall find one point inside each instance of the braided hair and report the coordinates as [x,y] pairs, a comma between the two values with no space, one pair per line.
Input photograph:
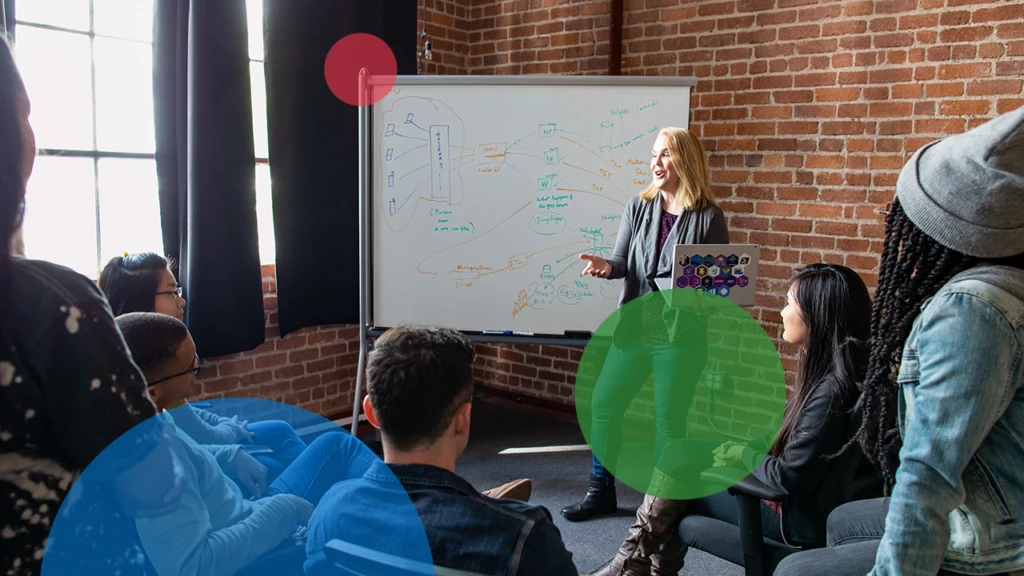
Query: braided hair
[914,267]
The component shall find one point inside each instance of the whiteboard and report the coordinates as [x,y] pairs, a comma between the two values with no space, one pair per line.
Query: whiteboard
[485,191]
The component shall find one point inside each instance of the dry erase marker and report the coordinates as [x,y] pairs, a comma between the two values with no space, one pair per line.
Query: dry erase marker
[499,332]
[522,333]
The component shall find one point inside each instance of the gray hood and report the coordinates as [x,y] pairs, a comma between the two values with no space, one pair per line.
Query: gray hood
[1005,277]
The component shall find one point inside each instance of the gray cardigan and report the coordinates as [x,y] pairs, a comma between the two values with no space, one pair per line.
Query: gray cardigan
[637,243]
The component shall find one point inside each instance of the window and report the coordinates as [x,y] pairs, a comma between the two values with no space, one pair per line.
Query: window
[87,65]
[88,68]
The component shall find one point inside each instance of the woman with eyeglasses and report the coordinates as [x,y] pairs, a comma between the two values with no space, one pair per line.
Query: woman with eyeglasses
[68,390]
[142,283]
[145,283]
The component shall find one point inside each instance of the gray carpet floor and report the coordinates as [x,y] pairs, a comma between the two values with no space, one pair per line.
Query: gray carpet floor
[559,479]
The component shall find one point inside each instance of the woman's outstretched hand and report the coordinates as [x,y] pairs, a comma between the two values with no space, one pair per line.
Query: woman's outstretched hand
[596,266]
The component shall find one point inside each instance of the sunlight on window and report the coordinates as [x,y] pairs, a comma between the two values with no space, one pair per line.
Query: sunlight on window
[124,96]
[259,109]
[254,14]
[264,201]
[264,215]
[72,14]
[60,213]
[128,19]
[129,208]
[55,68]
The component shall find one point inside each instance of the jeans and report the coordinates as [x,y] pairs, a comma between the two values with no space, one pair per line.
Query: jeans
[855,530]
[624,373]
[331,458]
[280,437]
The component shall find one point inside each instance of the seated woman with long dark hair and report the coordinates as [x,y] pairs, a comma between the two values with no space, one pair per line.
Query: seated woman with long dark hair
[145,283]
[827,315]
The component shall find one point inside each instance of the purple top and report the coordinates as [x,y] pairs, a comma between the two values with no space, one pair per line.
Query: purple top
[668,220]
[654,326]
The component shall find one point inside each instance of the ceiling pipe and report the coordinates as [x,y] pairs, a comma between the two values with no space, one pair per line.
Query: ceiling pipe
[615,40]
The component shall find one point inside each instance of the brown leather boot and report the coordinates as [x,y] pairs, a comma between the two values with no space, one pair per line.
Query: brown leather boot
[656,521]
[670,558]
[515,490]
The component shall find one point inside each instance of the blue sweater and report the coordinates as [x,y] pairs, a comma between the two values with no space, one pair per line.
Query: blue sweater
[214,530]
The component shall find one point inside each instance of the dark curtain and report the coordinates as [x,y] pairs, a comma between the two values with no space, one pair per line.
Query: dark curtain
[206,169]
[314,151]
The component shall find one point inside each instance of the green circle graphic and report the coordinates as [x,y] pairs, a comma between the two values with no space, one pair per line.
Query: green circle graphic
[667,380]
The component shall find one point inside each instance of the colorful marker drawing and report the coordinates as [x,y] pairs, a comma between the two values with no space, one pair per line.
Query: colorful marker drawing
[504,216]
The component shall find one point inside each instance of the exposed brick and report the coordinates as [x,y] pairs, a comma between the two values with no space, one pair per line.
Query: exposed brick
[291,342]
[965,34]
[964,107]
[1008,31]
[235,367]
[994,87]
[1004,105]
[969,70]
[1010,68]
[890,109]
[271,360]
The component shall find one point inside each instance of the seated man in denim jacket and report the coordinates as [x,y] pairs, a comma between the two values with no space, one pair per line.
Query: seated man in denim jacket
[420,388]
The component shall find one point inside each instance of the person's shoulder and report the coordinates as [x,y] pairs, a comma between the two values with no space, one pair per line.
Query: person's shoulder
[524,510]
[1002,287]
[635,203]
[832,396]
[42,280]
[711,210]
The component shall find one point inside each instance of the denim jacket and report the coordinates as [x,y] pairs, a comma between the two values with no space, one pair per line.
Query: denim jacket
[465,530]
[958,502]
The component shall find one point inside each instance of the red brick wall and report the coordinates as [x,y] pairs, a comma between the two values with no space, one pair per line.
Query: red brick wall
[538,37]
[809,109]
[313,368]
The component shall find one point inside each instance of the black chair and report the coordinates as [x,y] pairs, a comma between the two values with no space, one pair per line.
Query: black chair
[849,477]
[352,560]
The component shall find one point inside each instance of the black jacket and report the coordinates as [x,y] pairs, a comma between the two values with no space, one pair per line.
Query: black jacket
[800,471]
[68,388]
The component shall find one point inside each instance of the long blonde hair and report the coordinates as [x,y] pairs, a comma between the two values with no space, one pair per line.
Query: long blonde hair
[690,161]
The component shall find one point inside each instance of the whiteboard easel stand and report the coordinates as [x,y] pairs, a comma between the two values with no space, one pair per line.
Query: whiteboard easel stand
[364,230]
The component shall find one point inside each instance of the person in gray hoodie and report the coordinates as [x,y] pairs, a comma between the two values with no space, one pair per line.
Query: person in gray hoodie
[944,387]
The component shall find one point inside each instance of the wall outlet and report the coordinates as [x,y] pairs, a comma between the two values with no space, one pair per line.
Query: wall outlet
[714,379]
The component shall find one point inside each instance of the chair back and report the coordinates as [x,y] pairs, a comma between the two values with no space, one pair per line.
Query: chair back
[352,560]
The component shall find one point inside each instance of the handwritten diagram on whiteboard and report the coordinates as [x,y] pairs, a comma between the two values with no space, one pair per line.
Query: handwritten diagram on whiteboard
[486,195]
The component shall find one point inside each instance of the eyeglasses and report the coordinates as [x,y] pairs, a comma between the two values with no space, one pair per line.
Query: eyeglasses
[882,212]
[176,292]
[193,369]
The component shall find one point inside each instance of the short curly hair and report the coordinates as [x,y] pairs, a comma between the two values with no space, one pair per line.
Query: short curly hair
[153,340]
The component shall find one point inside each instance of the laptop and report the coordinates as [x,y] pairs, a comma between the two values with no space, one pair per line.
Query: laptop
[726,270]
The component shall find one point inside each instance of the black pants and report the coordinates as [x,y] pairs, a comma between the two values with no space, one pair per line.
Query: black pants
[854,532]
[723,506]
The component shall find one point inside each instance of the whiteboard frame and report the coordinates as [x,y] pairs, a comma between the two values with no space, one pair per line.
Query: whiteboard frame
[367,327]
